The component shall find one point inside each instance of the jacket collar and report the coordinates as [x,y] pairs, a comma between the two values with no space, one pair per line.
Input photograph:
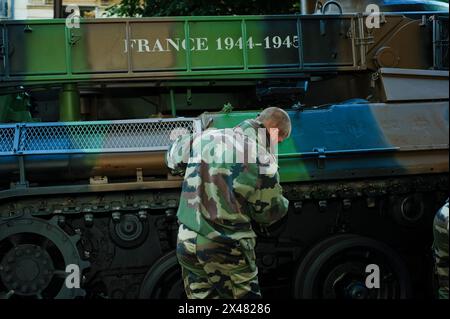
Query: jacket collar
[255,125]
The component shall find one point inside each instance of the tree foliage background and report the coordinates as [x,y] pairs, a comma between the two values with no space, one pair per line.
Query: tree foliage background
[152,8]
[155,8]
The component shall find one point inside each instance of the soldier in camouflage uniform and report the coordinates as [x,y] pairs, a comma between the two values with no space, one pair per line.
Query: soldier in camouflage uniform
[219,200]
[440,249]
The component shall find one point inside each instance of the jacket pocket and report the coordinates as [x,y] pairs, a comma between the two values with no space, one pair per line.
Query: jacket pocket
[247,248]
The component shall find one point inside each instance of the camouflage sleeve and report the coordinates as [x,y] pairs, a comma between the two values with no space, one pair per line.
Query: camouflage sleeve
[177,155]
[268,201]
[440,250]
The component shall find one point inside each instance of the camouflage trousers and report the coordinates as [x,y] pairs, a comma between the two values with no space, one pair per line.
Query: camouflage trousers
[216,270]
[440,250]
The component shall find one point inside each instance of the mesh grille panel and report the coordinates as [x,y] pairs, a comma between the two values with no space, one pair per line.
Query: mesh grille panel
[113,136]
[6,139]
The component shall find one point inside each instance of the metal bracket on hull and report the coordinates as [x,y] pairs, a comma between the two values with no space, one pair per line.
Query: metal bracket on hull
[321,156]
[139,176]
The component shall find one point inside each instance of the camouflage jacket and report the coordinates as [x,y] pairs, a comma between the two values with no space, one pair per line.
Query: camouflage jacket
[220,197]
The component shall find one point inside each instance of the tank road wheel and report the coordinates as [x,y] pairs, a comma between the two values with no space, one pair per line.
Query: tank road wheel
[34,254]
[163,280]
[129,231]
[336,269]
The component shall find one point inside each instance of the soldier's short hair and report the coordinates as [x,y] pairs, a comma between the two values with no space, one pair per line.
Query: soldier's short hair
[276,118]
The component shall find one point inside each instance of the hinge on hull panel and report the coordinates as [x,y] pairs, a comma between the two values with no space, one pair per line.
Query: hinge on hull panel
[321,156]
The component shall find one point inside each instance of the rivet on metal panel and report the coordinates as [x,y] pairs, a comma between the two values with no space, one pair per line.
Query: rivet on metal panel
[115,216]
[142,215]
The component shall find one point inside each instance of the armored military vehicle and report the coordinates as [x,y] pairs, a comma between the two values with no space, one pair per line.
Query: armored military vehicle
[87,112]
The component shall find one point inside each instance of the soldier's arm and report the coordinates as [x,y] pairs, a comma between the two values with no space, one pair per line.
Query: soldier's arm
[177,155]
[267,200]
